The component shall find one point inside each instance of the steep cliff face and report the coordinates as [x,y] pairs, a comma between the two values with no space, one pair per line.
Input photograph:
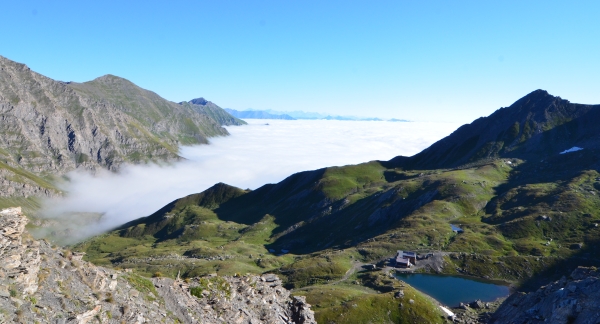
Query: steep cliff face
[43,284]
[49,127]
[54,126]
[573,300]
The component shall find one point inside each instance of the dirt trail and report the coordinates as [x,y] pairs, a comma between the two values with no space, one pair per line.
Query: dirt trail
[355,266]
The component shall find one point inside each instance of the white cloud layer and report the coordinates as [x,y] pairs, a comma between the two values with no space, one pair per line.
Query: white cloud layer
[252,156]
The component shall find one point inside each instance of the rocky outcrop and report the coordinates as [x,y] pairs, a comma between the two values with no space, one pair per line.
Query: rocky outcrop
[44,284]
[573,300]
[19,186]
[238,299]
[19,260]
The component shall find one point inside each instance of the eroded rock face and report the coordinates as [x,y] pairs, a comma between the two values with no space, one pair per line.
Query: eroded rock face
[19,259]
[241,299]
[574,300]
[39,283]
[48,127]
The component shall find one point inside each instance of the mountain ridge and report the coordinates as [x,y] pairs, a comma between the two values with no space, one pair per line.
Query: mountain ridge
[533,125]
[49,127]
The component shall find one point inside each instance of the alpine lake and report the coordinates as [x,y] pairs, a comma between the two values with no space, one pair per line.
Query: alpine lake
[453,290]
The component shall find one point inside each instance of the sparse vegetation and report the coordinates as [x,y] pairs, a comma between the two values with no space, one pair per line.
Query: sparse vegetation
[143,285]
[196,291]
[212,285]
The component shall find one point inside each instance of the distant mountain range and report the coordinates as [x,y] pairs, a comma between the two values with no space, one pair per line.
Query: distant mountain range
[298,114]
[257,114]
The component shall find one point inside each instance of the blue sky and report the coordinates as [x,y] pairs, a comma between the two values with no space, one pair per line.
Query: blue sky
[419,60]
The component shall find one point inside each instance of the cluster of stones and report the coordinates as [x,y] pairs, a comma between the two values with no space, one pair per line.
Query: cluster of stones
[569,300]
[40,283]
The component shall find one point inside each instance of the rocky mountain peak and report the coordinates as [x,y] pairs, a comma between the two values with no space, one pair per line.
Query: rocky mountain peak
[535,126]
[538,102]
[539,93]
[209,108]
[199,101]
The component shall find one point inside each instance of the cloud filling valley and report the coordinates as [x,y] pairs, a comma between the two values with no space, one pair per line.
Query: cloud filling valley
[265,151]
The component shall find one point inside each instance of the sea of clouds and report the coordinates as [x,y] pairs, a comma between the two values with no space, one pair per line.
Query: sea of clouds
[265,151]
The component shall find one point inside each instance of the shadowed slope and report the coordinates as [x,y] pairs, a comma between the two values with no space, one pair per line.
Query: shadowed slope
[536,125]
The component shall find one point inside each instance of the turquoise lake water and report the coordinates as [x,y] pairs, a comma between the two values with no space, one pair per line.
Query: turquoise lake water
[452,290]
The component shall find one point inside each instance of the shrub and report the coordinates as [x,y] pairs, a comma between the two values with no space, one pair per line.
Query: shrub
[196,291]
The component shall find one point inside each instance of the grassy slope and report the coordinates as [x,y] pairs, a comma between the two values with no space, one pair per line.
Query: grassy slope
[461,197]
[28,205]
[21,175]
[18,175]
[374,301]
[333,217]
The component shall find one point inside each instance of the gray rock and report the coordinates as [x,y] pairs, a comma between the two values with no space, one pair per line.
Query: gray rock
[4,292]
[50,127]
[568,300]
[270,277]
[478,304]
[81,292]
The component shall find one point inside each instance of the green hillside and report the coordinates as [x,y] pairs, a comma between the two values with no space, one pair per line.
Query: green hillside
[525,221]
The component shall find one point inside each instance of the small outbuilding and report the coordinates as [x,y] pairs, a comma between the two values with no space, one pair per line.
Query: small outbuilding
[403,263]
[405,259]
[412,256]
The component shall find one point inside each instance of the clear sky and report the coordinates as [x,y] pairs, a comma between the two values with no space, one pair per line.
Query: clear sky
[419,60]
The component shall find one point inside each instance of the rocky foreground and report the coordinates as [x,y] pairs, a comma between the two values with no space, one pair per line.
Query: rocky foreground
[574,300]
[44,284]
